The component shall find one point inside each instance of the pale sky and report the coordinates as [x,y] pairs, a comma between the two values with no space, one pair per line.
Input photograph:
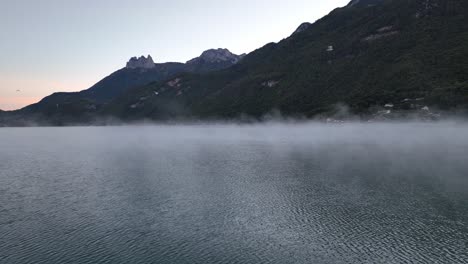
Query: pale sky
[49,46]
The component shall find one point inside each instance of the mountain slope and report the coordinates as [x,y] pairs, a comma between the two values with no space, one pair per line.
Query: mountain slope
[371,54]
[140,71]
[367,54]
[127,78]
[60,108]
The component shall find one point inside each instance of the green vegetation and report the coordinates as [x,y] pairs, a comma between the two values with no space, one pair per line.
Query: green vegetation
[363,56]
[380,54]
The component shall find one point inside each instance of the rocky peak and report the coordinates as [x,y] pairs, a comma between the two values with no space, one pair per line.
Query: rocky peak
[302,27]
[217,56]
[364,3]
[141,63]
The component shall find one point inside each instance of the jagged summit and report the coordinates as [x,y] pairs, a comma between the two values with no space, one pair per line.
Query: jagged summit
[302,27]
[216,56]
[141,62]
[364,2]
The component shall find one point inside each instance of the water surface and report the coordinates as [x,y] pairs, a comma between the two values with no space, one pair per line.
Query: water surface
[303,193]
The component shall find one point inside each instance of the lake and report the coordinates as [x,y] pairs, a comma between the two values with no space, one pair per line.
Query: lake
[271,193]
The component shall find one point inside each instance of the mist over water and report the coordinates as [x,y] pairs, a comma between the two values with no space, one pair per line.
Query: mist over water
[270,193]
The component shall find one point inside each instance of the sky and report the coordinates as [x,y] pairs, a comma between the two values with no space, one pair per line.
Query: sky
[52,46]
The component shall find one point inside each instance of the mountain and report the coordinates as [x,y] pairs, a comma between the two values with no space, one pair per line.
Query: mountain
[303,27]
[141,63]
[134,74]
[364,3]
[143,70]
[3,121]
[374,56]
[371,54]
[81,106]
[213,59]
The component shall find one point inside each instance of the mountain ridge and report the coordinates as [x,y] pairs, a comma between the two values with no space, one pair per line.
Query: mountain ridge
[409,55]
[141,62]
[137,72]
[364,56]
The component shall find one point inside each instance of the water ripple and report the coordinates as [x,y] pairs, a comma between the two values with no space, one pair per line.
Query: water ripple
[297,195]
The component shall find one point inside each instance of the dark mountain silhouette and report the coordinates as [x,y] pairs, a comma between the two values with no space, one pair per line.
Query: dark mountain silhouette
[405,54]
[82,105]
[370,54]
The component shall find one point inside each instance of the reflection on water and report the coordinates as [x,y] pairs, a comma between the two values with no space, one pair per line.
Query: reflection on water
[228,194]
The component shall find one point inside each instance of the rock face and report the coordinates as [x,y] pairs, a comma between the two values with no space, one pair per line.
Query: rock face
[364,2]
[216,56]
[213,59]
[141,62]
[302,27]
[78,106]
[371,53]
